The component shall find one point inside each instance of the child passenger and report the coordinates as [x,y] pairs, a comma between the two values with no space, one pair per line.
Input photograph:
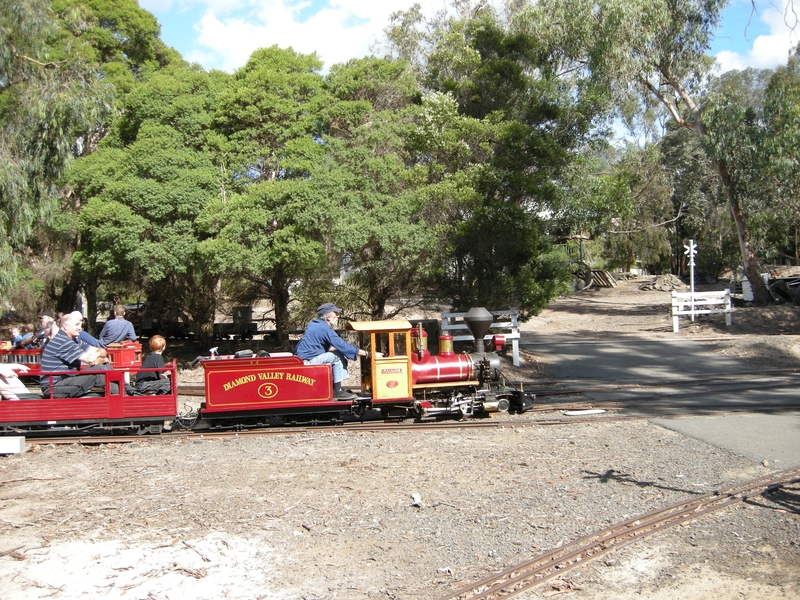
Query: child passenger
[18,340]
[154,382]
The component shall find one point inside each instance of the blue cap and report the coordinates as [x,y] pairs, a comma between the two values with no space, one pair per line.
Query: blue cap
[324,309]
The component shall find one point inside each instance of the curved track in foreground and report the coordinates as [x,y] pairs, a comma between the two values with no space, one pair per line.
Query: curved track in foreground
[526,575]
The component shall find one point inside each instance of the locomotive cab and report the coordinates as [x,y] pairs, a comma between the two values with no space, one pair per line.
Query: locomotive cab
[386,371]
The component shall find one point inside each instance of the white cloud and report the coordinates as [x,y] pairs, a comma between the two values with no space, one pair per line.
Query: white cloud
[156,6]
[342,30]
[768,51]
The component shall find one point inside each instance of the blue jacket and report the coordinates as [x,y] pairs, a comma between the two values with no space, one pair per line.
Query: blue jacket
[116,330]
[318,339]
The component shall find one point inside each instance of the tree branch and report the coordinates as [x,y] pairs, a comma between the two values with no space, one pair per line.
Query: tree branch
[678,216]
[41,64]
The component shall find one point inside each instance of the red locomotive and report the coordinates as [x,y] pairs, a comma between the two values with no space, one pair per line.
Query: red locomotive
[400,378]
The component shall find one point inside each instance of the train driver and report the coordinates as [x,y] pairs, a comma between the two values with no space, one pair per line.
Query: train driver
[320,345]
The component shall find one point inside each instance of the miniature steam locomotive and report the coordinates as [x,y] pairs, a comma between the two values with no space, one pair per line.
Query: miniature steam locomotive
[399,377]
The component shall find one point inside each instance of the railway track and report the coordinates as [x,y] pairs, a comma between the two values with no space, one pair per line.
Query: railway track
[531,573]
[610,412]
[746,379]
[736,381]
[363,427]
[647,406]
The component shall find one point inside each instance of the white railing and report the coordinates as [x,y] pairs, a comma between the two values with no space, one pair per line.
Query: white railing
[505,324]
[700,303]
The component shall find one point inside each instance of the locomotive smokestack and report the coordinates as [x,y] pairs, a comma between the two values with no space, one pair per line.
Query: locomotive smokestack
[478,321]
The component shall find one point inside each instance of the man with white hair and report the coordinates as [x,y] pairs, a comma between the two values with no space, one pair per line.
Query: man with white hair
[65,352]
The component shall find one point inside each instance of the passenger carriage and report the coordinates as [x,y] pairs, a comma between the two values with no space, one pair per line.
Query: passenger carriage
[100,410]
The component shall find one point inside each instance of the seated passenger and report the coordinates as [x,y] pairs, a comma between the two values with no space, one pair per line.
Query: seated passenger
[47,330]
[320,345]
[118,329]
[15,336]
[10,385]
[26,339]
[65,352]
[153,381]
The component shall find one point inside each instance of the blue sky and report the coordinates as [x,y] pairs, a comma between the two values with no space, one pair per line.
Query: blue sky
[223,33]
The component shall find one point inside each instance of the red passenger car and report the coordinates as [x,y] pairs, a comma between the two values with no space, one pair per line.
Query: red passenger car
[100,411]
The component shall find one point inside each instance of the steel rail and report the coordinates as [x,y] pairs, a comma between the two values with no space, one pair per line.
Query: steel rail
[688,377]
[528,574]
[684,381]
[630,337]
[393,427]
[653,410]
[676,395]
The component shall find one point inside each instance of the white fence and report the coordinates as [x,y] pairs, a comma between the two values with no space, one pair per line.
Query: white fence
[505,324]
[700,303]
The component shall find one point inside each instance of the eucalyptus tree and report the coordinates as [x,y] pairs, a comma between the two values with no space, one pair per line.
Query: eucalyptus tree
[782,122]
[524,124]
[95,50]
[48,94]
[733,110]
[640,230]
[699,205]
[648,54]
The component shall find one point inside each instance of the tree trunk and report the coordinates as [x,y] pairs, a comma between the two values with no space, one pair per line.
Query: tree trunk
[377,296]
[201,305]
[629,258]
[69,294]
[761,294]
[91,303]
[279,295]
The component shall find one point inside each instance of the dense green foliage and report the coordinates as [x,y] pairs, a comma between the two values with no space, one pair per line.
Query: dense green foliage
[145,187]
[447,170]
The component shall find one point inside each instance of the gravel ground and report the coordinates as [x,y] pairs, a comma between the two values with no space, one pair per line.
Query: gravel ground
[401,515]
